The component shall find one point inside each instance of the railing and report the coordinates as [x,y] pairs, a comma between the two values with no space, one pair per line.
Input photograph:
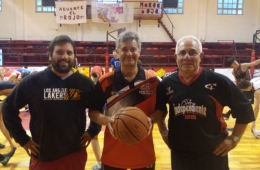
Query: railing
[169,20]
[233,45]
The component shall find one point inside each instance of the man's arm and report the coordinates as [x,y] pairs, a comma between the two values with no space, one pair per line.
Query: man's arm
[163,131]
[231,141]
[245,65]
[99,118]
[11,109]
[158,116]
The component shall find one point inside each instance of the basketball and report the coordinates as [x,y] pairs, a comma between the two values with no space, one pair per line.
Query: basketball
[131,125]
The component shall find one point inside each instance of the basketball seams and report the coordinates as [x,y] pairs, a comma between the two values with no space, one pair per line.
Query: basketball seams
[121,138]
[131,125]
[135,119]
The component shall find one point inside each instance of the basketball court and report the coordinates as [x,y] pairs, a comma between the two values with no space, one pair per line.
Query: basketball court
[245,156]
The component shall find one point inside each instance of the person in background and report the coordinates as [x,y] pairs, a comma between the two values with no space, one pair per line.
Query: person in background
[95,74]
[57,97]
[240,72]
[115,61]
[5,88]
[253,86]
[12,76]
[123,88]
[197,132]
[139,63]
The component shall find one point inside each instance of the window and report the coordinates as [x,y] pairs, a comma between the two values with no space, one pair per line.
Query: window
[230,7]
[109,1]
[178,10]
[40,8]
[0,5]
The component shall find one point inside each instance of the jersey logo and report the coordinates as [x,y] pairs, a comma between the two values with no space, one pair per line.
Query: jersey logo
[210,86]
[169,91]
[117,93]
[189,109]
[146,89]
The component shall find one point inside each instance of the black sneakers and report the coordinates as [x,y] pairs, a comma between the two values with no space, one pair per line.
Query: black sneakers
[226,115]
[2,146]
[8,156]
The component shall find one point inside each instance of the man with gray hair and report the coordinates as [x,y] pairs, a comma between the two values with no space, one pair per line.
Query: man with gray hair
[114,89]
[197,136]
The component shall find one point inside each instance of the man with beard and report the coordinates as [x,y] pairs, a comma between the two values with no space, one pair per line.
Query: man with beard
[57,97]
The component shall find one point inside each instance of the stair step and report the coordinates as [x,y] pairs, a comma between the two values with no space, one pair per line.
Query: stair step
[167,31]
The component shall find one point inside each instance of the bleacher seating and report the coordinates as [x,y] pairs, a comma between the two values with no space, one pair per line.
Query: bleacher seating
[153,54]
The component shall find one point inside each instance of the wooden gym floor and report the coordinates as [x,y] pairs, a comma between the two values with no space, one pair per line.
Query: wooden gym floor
[246,156]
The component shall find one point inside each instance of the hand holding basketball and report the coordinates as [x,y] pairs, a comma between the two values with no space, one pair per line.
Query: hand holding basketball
[131,125]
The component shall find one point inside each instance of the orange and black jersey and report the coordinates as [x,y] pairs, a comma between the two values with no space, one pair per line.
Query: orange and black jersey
[116,92]
[195,116]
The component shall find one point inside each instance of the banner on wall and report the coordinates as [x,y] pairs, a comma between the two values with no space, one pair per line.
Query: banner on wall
[154,8]
[114,13]
[71,12]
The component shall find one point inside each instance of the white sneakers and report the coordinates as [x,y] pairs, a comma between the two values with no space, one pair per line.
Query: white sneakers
[256,133]
[96,167]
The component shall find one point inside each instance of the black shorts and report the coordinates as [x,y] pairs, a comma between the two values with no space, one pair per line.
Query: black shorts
[206,162]
[106,167]
[249,95]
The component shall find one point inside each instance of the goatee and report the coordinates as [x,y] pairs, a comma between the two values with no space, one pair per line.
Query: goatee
[61,68]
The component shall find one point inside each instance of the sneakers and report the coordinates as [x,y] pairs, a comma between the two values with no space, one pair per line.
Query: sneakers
[256,133]
[226,115]
[8,156]
[96,167]
[2,146]
[230,129]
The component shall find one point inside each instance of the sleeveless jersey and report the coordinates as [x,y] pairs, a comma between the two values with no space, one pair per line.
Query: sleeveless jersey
[240,75]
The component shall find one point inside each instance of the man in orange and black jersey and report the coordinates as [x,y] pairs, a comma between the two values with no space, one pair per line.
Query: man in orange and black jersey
[128,86]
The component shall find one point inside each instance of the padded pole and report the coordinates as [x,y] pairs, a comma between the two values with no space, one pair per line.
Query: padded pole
[252,69]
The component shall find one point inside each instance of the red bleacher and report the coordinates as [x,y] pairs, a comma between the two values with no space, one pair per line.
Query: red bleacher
[153,54]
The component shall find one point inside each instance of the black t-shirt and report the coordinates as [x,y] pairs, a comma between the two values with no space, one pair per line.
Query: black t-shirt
[195,117]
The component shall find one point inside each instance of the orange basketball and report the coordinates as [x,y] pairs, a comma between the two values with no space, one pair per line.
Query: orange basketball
[131,125]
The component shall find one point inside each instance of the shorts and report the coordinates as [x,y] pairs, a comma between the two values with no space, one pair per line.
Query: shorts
[205,162]
[249,95]
[76,160]
[106,167]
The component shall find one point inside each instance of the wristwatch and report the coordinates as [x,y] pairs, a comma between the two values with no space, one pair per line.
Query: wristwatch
[235,139]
